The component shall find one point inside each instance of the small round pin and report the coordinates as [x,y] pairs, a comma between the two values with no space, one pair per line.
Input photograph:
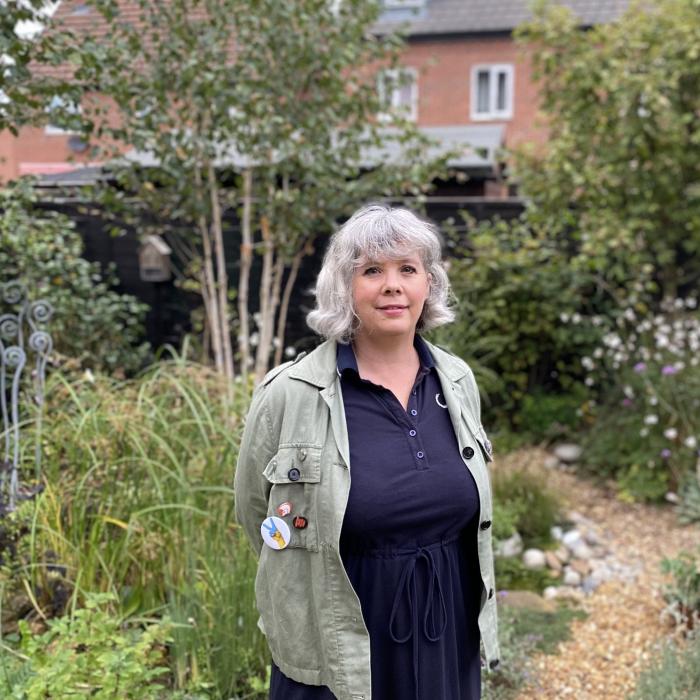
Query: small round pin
[275,532]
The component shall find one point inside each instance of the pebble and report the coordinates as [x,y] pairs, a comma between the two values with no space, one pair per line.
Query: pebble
[534,559]
[510,547]
[571,577]
[568,452]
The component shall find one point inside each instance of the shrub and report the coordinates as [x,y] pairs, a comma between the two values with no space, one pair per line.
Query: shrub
[91,321]
[513,283]
[91,653]
[648,430]
[674,676]
[683,594]
[138,502]
[526,494]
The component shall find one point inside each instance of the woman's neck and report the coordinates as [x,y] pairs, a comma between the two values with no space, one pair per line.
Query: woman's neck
[379,355]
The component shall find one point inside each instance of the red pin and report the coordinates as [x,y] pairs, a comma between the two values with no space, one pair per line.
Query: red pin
[284,509]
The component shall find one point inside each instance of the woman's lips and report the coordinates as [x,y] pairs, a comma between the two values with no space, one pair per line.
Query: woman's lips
[392,310]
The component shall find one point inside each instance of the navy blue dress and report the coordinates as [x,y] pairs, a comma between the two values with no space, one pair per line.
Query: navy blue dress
[408,543]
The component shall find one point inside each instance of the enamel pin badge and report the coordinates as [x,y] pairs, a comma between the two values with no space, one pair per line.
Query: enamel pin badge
[275,532]
[284,509]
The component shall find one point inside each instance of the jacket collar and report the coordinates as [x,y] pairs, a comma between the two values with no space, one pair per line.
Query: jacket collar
[319,367]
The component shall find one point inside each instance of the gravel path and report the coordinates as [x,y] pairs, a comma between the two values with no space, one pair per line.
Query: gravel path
[621,634]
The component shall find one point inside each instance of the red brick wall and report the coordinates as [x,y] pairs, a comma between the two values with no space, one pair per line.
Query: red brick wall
[444,74]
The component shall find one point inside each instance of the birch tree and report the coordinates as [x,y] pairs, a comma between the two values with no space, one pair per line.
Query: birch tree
[259,112]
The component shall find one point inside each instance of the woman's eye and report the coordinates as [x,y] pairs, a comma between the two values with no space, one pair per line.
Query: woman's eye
[371,270]
[409,268]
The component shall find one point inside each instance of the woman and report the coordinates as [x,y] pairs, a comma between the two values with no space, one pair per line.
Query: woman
[362,484]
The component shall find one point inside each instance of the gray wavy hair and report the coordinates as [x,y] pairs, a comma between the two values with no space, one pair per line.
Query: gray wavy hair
[377,232]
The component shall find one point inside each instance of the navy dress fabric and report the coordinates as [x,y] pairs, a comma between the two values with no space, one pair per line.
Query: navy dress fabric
[408,542]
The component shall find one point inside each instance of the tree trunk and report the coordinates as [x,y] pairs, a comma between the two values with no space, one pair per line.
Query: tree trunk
[222,281]
[209,286]
[244,277]
[284,306]
[265,297]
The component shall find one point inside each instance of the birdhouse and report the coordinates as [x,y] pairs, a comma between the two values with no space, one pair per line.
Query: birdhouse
[154,260]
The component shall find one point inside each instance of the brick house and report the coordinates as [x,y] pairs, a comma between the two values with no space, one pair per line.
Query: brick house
[465,81]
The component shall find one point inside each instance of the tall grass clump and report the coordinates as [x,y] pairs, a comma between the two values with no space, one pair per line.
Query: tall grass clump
[138,503]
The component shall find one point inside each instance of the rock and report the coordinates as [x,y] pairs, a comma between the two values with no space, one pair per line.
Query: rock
[581,566]
[570,593]
[574,516]
[528,600]
[581,550]
[551,462]
[534,559]
[589,584]
[550,592]
[571,537]
[552,561]
[568,452]
[556,532]
[562,554]
[592,538]
[571,577]
[511,547]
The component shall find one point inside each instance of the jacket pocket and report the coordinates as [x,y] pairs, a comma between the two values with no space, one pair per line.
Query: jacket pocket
[294,474]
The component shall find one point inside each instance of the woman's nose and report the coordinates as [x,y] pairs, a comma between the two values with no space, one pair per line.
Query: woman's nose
[392,282]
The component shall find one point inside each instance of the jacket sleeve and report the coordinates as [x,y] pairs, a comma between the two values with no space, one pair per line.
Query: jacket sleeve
[251,488]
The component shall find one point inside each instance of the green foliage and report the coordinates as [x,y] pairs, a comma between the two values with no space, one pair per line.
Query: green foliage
[620,171]
[506,516]
[92,654]
[139,504]
[526,494]
[521,634]
[91,322]
[283,91]
[689,507]
[647,429]
[546,417]
[684,592]
[545,629]
[511,574]
[514,283]
[673,676]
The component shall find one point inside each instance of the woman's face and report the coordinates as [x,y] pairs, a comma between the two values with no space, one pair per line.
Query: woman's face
[389,296]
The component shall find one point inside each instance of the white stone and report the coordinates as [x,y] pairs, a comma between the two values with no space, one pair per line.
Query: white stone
[581,550]
[549,592]
[571,577]
[568,452]
[571,537]
[511,547]
[563,554]
[534,559]
[556,532]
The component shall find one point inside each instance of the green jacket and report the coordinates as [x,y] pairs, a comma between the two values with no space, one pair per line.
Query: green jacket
[308,608]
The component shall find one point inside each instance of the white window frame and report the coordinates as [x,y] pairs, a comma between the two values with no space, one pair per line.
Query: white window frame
[493,70]
[391,4]
[395,108]
[53,130]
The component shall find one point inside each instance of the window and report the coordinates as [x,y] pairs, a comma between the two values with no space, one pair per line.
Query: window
[492,92]
[398,93]
[65,109]
[390,4]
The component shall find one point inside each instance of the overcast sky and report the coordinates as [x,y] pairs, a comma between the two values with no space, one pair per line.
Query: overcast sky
[30,28]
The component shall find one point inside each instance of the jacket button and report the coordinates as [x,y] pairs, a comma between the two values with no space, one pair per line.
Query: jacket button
[494,664]
[468,452]
[294,474]
[490,593]
[485,525]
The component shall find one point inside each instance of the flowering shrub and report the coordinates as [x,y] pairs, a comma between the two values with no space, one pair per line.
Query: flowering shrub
[648,369]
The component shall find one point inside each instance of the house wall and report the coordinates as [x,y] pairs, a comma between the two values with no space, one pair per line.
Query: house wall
[444,73]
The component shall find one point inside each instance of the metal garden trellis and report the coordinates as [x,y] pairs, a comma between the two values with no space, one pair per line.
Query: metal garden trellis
[22,333]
